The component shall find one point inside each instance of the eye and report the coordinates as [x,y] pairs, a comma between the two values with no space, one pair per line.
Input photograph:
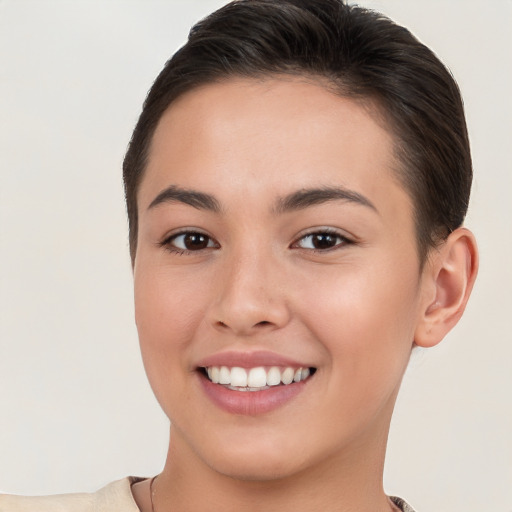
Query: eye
[322,241]
[190,241]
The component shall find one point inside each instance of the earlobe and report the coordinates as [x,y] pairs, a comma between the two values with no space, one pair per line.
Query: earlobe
[450,276]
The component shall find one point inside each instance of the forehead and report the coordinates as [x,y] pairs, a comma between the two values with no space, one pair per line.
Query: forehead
[268,136]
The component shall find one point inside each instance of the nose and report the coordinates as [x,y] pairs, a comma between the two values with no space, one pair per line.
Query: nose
[251,296]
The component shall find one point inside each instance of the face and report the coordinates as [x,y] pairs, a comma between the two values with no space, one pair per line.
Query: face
[274,241]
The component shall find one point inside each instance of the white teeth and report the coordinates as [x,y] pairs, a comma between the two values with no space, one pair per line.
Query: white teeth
[255,379]
[274,376]
[224,375]
[287,376]
[238,377]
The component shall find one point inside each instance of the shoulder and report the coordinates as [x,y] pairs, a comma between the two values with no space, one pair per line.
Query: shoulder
[115,497]
[399,502]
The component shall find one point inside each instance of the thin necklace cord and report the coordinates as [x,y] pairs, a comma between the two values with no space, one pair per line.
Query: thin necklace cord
[151,492]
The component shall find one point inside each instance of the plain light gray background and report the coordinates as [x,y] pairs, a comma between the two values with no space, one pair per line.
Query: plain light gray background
[76,410]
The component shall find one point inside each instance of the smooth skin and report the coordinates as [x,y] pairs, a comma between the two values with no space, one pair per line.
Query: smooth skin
[334,283]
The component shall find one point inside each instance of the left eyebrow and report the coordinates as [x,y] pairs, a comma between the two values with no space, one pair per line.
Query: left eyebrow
[314,196]
[193,198]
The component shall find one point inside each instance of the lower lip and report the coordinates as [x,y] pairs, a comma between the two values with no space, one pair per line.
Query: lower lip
[251,403]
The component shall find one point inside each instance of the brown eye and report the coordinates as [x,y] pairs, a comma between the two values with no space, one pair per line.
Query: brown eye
[191,242]
[321,241]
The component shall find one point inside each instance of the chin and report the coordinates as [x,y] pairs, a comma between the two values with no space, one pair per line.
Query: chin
[266,460]
[254,471]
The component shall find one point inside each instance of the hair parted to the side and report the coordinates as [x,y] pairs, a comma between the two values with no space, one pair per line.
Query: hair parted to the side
[361,54]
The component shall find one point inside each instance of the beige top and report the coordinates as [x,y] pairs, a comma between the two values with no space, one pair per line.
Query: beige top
[115,497]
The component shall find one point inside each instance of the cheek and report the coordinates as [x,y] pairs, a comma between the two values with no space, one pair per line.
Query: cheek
[167,301]
[167,312]
[365,318]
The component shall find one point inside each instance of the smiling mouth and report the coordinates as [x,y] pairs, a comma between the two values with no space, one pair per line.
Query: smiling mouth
[259,378]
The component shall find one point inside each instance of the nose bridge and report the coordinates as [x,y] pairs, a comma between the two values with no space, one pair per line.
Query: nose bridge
[250,296]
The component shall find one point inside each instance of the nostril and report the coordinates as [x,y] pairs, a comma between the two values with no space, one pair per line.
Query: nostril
[243,326]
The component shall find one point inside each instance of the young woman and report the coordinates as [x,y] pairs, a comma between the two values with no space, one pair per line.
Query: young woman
[296,187]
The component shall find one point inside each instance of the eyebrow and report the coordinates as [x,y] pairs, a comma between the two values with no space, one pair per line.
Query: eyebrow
[311,197]
[199,200]
[299,200]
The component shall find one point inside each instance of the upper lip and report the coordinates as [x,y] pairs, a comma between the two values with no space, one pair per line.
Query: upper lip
[250,360]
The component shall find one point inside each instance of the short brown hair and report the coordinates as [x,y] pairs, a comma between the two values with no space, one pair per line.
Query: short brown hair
[361,54]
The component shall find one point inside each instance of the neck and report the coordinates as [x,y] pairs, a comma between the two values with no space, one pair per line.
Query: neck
[348,482]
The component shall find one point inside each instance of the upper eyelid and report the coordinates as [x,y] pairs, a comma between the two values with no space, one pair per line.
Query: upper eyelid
[328,230]
[184,231]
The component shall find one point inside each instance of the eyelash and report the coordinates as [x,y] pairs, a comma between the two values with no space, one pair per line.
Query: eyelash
[212,244]
[168,242]
[330,232]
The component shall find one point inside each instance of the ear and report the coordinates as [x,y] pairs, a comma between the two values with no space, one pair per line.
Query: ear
[448,279]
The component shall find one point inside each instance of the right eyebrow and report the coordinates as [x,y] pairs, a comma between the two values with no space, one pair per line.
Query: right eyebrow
[306,198]
[198,200]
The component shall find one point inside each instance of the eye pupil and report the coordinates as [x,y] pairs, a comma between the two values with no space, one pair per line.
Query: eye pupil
[324,241]
[195,241]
